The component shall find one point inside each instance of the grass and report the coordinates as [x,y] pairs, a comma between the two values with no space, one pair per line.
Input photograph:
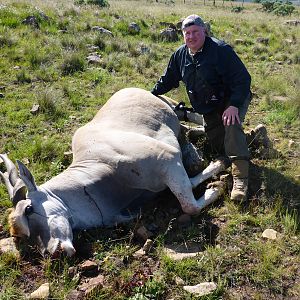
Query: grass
[48,67]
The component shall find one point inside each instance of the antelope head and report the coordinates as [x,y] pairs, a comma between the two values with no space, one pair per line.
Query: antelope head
[37,214]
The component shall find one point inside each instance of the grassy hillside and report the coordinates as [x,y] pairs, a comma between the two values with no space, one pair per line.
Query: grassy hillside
[47,65]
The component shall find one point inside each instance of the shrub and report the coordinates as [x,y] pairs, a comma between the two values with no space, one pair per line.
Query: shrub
[283,9]
[237,9]
[23,77]
[101,3]
[72,64]
[280,8]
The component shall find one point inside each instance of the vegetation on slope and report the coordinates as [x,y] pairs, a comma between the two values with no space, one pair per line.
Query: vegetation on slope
[46,64]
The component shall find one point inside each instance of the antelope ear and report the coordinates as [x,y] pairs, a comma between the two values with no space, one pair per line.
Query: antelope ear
[27,177]
[19,191]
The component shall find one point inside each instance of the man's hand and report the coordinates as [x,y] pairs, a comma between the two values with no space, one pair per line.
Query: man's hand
[230,115]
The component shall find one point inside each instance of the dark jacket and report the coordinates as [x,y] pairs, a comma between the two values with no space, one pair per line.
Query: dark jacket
[212,76]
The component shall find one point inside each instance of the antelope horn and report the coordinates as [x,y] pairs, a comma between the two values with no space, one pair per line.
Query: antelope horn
[14,184]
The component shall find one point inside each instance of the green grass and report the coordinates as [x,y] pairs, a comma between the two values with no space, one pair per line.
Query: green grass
[48,66]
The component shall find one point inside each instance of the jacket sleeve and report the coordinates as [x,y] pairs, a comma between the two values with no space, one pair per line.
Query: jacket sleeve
[234,75]
[170,79]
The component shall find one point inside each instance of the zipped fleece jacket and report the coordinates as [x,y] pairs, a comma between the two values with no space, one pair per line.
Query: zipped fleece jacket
[213,77]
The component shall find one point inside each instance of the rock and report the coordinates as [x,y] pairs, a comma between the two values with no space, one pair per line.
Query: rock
[1,226]
[116,261]
[289,41]
[291,144]
[143,233]
[139,253]
[281,98]
[292,22]
[179,281]
[35,109]
[16,67]
[8,245]
[201,289]
[102,30]
[270,234]
[32,21]
[180,252]
[68,154]
[92,285]
[144,49]
[94,59]
[168,24]
[75,295]
[239,41]
[42,292]
[263,40]
[88,266]
[2,88]
[147,246]
[72,271]
[134,28]
[169,35]
[93,48]
[1,95]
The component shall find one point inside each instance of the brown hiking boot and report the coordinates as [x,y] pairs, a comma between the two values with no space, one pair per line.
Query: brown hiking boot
[240,169]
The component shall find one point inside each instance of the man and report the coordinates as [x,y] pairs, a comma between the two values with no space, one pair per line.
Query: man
[218,86]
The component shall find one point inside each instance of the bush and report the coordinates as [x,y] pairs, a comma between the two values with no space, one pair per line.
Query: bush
[237,9]
[280,8]
[101,3]
[72,64]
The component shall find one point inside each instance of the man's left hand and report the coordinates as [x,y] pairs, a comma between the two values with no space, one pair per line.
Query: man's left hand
[230,115]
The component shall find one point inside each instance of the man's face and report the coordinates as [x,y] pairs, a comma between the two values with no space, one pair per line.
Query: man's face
[194,37]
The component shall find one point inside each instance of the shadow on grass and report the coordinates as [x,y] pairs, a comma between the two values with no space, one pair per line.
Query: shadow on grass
[270,183]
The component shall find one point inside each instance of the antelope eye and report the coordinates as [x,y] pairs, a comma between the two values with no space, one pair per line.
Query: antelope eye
[28,210]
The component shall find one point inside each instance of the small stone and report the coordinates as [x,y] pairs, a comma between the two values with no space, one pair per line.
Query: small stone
[2,88]
[102,30]
[263,40]
[179,253]
[68,154]
[72,271]
[139,253]
[179,281]
[239,41]
[1,227]
[92,285]
[42,292]
[291,144]
[134,27]
[201,289]
[270,234]
[32,21]
[8,245]
[293,22]
[75,295]
[94,59]
[1,95]
[16,67]
[147,246]
[88,266]
[169,35]
[35,109]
